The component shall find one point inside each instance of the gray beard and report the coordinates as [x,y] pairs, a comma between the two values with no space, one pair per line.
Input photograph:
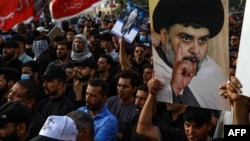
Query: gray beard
[170,55]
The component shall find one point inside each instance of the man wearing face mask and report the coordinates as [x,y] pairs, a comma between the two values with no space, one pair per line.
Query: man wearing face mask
[144,39]
[31,71]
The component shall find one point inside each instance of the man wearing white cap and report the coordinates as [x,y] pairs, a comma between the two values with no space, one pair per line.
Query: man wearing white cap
[57,128]
[43,31]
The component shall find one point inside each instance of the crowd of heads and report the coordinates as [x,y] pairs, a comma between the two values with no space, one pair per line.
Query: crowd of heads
[39,64]
[235,26]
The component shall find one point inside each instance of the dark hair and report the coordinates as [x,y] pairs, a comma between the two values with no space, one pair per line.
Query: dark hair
[82,120]
[106,36]
[31,87]
[232,66]
[109,59]
[95,33]
[76,64]
[55,72]
[199,115]
[21,28]
[148,65]
[10,73]
[36,33]
[34,65]
[143,87]
[143,30]
[58,38]
[99,83]
[66,44]
[20,38]
[139,45]
[69,65]
[235,33]
[130,74]
[29,38]
[70,30]
[65,25]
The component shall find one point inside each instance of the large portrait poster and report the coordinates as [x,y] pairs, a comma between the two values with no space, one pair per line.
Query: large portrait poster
[190,51]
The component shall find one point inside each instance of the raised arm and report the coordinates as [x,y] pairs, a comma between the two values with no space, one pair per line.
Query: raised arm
[145,126]
[103,26]
[123,57]
[240,103]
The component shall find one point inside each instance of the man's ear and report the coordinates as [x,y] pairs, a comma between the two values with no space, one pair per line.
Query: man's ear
[210,125]
[109,66]
[17,50]
[31,103]
[21,129]
[92,72]
[35,75]
[104,98]
[134,89]
[10,83]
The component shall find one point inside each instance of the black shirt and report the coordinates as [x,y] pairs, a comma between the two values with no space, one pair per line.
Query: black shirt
[57,106]
[16,64]
[130,133]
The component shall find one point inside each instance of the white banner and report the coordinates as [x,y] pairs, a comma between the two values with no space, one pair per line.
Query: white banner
[243,64]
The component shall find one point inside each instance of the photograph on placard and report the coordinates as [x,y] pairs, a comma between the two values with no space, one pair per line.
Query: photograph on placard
[131,20]
[190,51]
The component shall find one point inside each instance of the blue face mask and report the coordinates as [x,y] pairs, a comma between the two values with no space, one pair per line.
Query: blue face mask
[142,38]
[25,77]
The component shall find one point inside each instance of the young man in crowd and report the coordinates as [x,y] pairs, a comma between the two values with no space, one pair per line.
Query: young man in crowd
[56,102]
[123,105]
[25,92]
[106,125]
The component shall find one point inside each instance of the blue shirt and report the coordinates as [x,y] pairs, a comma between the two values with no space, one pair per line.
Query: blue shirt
[106,125]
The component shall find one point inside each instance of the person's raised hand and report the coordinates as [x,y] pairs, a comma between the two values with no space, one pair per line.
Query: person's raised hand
[232,90]
[154,85]
[122,42]
[183,70]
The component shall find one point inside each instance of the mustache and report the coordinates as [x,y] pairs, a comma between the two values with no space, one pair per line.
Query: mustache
[192,58]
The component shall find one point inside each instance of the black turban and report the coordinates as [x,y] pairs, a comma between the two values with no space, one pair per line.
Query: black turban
[207,13]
